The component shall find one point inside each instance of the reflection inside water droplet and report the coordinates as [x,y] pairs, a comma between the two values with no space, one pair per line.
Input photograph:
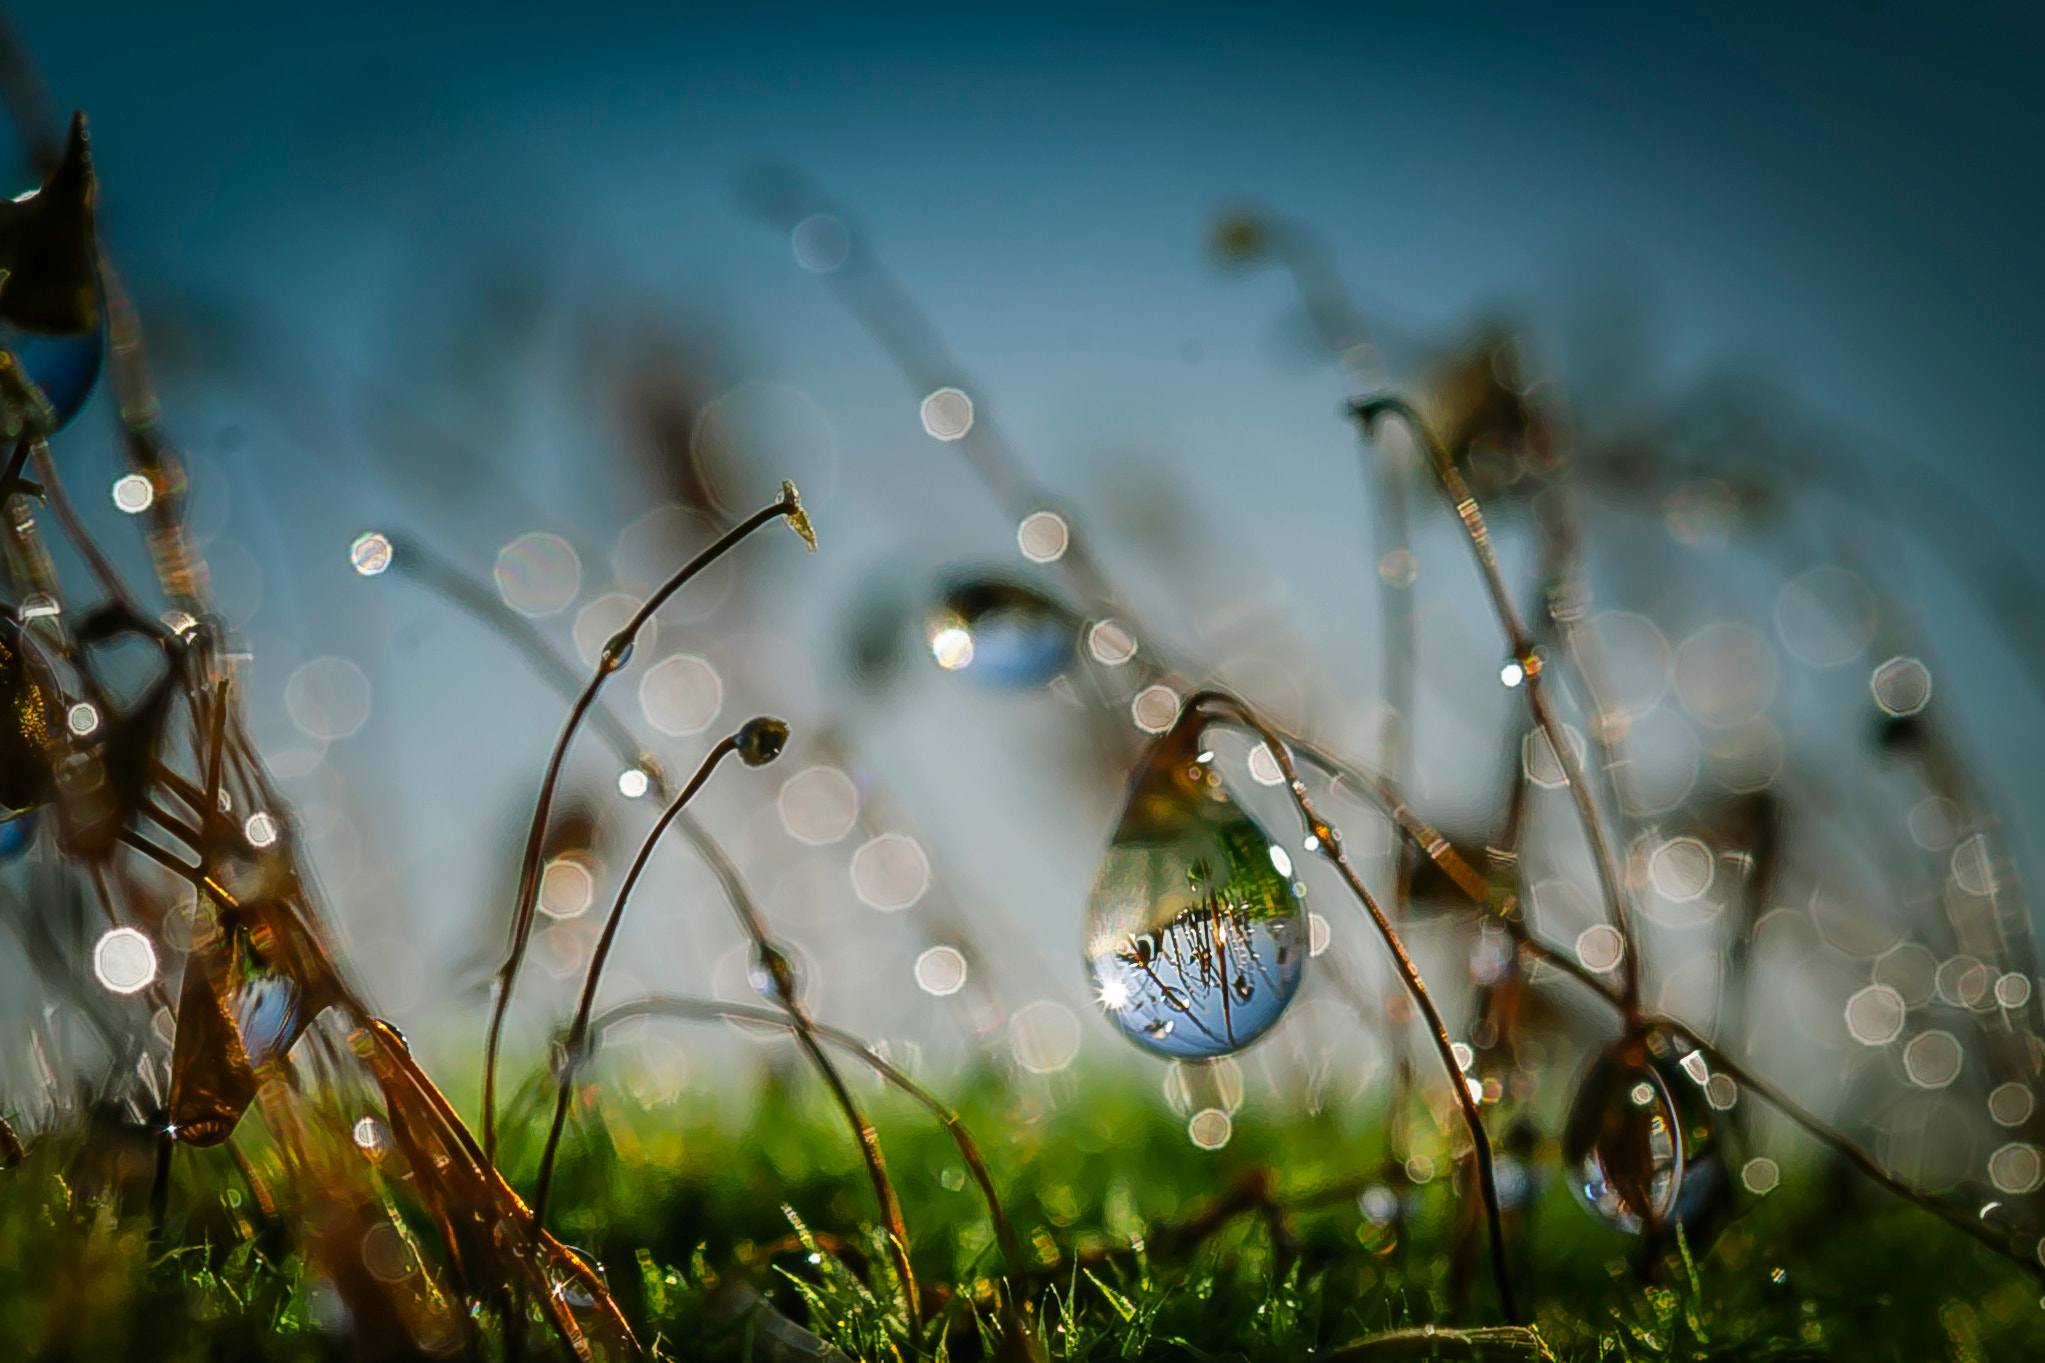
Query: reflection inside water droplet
[1195,939]
[1622,1149]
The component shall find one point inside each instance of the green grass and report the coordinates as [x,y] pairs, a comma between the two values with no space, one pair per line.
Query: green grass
[680,1201]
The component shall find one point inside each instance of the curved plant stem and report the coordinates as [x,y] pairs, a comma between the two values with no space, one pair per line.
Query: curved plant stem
[781,976]
[788,505]
[1367,412]
[578,1033]
[1328,843]
[705,1010]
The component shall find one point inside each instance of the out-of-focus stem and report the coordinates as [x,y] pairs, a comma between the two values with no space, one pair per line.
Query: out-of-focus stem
[1328,843]
[1367,412]
[613,657]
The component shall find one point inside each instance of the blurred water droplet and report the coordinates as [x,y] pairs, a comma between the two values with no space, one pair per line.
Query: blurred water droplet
[818,805]
[1725,674]
[633,783]
[1111,643]
[1001,633]
[681,695]
[1195,940]
[328,698]
[1154,708]
[1599,947]
[2016,1168]
[2010,1105]
[1760,1175]
[891,872]
[1537,756]
[1901,686]
[941,971]
[1932,1059]
[1875,1015]
[947,414]
[133,493]
[538,574]
[821,243]
[260,829]
[370,554]
[1043,536]
[566,887]
[124,961]
[1210,1128]
[1826,617]
[1044,1036]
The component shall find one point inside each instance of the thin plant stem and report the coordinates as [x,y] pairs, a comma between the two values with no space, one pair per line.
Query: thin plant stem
[706,1010]
[1367,411]
[781,975]
[579,1031]
[1631,1014]
[1328,843]
[788,505]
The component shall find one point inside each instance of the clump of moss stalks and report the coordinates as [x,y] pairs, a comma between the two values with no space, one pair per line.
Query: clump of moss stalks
[748,1235]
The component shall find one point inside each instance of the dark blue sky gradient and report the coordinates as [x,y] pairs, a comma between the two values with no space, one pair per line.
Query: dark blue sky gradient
[1847,199]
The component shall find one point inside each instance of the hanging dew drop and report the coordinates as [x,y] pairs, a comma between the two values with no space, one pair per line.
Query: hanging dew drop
[1001,633]
[1195,940]
[1635,1155]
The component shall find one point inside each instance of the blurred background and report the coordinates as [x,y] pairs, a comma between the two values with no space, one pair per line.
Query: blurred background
[517,287]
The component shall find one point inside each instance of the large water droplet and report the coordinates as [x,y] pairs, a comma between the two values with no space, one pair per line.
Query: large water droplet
[1001,633]
[1623,1150]
[1196,931]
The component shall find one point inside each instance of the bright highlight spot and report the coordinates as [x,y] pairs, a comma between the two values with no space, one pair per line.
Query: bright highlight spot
[370,553]
[134,493]
[941,971]
[1111,643]
[1210,1128]
[82,718]
[124,961]
[1154,708]
[948,414]
[633,783]
[952,647]
[566,888]
[260,829]
[1043,536]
